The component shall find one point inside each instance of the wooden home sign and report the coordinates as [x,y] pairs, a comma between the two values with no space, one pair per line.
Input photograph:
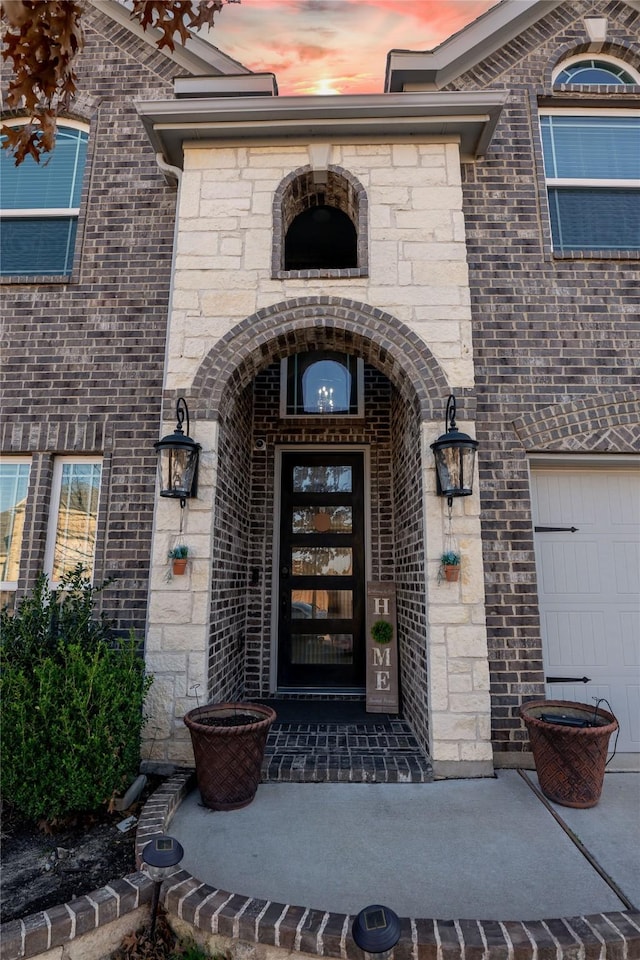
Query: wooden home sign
[382,648]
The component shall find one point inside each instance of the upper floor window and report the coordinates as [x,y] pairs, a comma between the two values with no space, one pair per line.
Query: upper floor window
[39,207]
[592,169]
[14,484]
[322,383]
[322,237]
[73,520]
[595,70]
[320,224]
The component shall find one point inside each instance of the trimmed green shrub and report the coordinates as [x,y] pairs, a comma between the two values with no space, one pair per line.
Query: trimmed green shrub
[72,704]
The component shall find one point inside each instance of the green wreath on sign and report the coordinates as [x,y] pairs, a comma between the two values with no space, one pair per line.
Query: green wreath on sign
[382,632]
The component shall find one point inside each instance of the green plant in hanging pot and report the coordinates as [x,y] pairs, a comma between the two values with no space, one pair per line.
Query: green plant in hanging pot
[450,565]
[178,556]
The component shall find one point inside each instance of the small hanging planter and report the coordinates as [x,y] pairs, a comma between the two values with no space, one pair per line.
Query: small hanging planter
[178,557]
[450,567]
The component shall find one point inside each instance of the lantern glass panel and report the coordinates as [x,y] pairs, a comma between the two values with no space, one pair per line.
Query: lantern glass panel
[177,469]
[455,470]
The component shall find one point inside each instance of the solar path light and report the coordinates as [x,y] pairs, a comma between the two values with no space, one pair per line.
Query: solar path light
[160,856]
[376,930]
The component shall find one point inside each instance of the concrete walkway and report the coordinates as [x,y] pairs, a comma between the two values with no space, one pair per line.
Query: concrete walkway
[465,849]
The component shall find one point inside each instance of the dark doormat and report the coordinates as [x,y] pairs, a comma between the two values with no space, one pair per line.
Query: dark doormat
[325,711]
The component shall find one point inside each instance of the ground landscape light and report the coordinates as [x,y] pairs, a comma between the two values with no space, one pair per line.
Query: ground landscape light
[160,856]
[376,929]
[455,454]
[178,459]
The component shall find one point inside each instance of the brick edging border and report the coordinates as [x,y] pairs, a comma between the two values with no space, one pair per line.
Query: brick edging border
[39,932]
[614,935]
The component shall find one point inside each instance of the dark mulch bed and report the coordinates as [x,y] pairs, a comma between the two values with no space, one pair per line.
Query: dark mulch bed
[50,864]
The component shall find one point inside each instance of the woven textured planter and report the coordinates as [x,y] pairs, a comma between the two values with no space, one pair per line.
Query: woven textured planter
[570,761]
[228,758]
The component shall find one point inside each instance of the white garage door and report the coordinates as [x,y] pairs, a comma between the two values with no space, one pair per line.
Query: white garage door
[587,537]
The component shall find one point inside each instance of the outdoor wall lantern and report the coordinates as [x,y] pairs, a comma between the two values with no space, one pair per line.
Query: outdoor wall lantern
[455,454]
[178,459]
[160,856]
[376,929]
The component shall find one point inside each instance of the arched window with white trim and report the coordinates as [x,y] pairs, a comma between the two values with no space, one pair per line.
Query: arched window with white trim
[39,207]
[582,69]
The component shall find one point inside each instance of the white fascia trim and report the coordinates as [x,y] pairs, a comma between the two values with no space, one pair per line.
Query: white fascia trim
[231,85]
[11,213]
[630,184]
[586,461]
[579,111]
[471,116]
[197,56]
[466,48]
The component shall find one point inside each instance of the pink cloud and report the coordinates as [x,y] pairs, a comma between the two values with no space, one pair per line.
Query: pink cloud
[337,45]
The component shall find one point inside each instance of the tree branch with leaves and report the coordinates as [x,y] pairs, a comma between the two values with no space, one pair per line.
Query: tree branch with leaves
[42,39]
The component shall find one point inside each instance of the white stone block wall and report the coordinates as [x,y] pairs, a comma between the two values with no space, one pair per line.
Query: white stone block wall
[418,274]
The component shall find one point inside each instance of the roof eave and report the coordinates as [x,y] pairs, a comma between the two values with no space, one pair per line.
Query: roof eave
[464,49]
[197,56]
[469,117]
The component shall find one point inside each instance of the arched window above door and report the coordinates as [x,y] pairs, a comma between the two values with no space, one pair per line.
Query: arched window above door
[320,225]
[321,383]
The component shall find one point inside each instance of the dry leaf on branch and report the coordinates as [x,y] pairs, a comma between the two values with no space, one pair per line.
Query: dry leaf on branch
[41,40]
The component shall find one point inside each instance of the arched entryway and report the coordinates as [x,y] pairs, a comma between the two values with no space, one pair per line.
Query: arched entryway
[240,384]
[215,636]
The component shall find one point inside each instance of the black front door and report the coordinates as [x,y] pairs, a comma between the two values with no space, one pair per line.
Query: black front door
[321,571]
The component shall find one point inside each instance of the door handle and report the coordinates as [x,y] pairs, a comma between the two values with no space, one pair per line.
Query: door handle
[284,571]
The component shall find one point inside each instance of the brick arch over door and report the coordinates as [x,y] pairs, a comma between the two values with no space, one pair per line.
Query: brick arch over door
[324,322]
[590,425]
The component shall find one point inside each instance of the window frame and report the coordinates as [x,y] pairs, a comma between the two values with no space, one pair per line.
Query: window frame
[582,183]
[11,586]
[602,58]
[359,389]
[70,213]
[54,512]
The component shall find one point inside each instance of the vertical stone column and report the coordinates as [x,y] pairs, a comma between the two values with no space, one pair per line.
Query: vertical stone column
[457,655]
[177,642]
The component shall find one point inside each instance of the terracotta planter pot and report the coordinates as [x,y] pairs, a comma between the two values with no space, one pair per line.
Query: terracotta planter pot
[179,567]
[228,758]
[451,572]
[570,761]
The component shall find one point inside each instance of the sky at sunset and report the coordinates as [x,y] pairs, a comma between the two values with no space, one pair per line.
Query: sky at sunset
[335,46]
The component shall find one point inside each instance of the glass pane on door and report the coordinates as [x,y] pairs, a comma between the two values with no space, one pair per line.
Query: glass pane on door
[322,520]
[321,604]
[323,648]
[321,562]
[326,478]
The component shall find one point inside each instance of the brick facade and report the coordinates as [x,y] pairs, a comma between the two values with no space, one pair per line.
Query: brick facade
[456,290]
[555,337]
[83,362]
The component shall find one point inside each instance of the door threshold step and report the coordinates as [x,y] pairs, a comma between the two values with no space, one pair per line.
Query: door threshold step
[357,768]
[386,752]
